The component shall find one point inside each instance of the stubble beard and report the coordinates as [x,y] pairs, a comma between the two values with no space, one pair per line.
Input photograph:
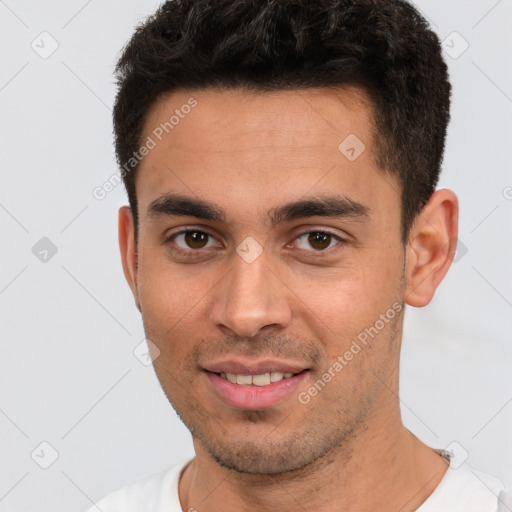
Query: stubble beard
[332,429]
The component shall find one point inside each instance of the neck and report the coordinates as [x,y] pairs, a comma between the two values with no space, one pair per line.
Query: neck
[381,468]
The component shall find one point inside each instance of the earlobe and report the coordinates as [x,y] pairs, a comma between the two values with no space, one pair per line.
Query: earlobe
[128,249]
[431,247]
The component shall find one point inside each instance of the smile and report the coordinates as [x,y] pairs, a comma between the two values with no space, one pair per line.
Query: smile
[257,391]
[263,379]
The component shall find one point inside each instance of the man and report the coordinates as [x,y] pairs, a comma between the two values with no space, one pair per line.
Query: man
[281,159]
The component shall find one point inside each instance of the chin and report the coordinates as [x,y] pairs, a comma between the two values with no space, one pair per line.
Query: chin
[267,457]
[253,460]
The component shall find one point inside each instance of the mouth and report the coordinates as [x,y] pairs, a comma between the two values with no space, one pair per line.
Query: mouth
[254,387]
[261,379]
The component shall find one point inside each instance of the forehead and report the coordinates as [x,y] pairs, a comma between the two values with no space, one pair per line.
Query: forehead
[227,119]
[252,148]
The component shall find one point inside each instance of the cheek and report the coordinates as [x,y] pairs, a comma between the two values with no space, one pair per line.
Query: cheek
[175,303]
[354,312]
[168,304]
[352,295]
[167,292]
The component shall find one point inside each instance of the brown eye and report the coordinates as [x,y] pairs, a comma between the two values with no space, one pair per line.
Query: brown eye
[196,239]
[318,240]
[192,241]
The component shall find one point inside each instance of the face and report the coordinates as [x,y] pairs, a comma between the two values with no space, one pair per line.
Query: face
[269,255]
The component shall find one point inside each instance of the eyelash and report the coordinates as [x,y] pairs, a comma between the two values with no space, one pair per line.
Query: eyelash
[189,252]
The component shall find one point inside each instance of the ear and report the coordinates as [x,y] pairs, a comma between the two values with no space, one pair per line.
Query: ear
[431,247]
[128,250]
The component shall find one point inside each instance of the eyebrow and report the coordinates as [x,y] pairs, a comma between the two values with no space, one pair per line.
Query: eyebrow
[176,205]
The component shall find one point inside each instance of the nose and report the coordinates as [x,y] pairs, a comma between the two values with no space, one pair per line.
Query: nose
[250,298]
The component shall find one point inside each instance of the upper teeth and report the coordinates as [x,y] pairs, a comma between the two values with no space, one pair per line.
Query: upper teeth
[257,380]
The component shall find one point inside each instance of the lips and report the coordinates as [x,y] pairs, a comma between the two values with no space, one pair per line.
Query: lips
[254,385]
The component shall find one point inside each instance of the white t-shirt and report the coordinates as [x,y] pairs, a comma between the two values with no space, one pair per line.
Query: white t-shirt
[462,489]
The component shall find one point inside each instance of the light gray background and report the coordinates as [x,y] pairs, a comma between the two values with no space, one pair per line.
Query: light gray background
[68,374]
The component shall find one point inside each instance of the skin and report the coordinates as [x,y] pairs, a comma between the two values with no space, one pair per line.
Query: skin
[248,153]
